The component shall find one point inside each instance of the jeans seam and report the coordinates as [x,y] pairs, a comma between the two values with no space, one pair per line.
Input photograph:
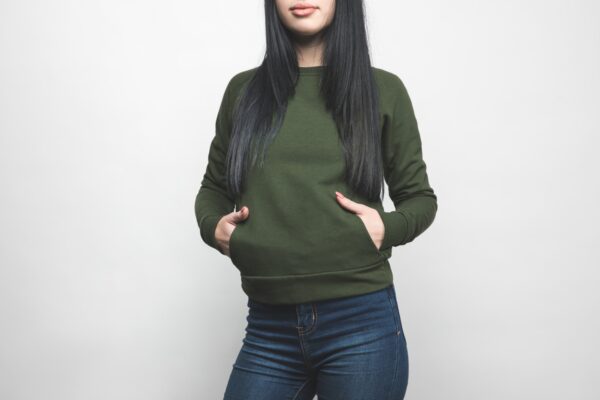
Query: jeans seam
[314,324]
[395,376]
[300,388]
[301,342]
[392,299]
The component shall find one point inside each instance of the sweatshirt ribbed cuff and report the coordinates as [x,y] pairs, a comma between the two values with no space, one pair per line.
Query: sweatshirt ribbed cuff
[207,231]
[396,227]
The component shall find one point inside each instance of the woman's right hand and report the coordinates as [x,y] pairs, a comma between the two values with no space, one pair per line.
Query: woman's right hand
[227,225]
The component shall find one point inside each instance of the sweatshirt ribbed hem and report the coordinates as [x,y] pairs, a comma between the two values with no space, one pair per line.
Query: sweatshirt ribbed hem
[294,289]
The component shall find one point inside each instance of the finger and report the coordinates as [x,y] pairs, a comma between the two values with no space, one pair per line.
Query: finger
[348,204]
[240,215]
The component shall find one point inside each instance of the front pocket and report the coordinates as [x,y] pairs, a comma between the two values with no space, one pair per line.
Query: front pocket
[365,233]
[232,242]
[274,243]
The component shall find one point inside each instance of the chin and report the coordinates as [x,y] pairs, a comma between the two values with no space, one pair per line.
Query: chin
[307,30]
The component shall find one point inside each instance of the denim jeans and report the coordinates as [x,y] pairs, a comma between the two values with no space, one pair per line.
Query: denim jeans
[350,348]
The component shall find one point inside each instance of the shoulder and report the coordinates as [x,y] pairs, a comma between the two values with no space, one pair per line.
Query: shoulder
[237,81]
[385,75]
[392,90]
[389,82]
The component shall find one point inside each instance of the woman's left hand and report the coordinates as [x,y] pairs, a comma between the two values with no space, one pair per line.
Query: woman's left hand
[369,216]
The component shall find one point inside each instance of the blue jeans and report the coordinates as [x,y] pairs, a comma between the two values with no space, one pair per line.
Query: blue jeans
[350,348]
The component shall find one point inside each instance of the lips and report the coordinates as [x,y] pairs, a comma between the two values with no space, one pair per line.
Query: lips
[303,9]
[302,6]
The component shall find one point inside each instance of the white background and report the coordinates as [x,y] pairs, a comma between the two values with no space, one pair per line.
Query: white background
[107,110]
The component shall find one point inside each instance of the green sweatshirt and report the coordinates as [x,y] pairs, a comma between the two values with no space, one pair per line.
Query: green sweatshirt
[299,244]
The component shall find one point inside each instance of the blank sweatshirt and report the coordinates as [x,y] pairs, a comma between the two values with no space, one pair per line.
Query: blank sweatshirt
[299,244]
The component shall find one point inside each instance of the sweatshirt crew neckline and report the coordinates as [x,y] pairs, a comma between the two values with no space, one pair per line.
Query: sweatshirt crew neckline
[313,70]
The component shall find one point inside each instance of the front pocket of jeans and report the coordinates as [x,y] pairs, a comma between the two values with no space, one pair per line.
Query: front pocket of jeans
[395,312]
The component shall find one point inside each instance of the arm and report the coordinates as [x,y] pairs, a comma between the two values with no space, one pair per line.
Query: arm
[212,200]
[406,176]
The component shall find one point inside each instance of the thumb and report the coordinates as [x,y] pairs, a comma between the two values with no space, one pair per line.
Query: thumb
[348,204]
[240,215]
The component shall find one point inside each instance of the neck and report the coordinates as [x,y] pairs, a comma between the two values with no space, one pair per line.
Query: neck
[309,50]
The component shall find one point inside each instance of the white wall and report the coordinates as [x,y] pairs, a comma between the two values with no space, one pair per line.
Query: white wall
[106,113]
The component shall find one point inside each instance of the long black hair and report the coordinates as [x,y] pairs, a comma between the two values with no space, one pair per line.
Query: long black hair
[347,85]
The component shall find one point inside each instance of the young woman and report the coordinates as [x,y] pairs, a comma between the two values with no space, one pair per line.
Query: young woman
[304,143]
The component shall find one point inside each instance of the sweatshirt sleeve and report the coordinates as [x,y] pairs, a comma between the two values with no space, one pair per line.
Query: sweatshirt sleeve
[405,174]
[213,200]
